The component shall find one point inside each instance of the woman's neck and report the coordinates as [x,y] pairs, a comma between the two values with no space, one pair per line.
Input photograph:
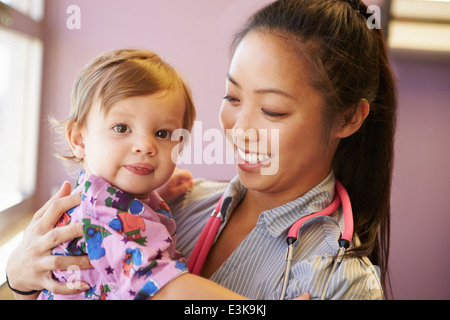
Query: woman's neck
[256,201]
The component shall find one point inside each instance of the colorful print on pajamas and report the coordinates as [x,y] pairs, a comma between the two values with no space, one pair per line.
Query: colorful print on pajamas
[130,244]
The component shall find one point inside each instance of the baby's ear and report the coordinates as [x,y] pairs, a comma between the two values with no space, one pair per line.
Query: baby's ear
[76,140]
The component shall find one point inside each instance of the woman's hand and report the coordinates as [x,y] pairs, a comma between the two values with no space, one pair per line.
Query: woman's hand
[30,265]
[304,296]
[180,183]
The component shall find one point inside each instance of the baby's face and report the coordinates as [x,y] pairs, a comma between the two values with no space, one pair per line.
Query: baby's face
[130,146]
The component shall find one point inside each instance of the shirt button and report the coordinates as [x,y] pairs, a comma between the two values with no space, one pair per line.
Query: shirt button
[112,286]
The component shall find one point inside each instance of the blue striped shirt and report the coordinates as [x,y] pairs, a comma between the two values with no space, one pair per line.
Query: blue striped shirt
[256,268]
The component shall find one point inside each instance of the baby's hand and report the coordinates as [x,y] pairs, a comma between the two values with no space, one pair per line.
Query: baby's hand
[180,182]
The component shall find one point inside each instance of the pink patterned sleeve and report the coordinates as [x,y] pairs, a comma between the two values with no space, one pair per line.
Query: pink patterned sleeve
[131,244]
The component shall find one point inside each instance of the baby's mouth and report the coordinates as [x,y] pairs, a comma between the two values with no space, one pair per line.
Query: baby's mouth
[141,169]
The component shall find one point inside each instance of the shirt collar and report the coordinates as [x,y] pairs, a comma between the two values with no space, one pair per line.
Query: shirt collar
[94,188]
[280,219]
[236,191]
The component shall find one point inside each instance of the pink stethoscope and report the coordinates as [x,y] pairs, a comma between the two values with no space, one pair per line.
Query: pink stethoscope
[209,232]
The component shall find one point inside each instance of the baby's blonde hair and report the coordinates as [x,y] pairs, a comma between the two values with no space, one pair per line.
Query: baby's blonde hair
[117,75]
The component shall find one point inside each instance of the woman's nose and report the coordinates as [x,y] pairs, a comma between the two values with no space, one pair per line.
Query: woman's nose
[145,145]
[244,129]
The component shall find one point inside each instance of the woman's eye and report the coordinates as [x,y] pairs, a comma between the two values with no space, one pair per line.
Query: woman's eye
[272,114]
[121,128]
[230,99]
[163,134]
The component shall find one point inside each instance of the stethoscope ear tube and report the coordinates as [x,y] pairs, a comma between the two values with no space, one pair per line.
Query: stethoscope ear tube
[209,239]
[287,271]
[341,197]
[205,240]
[344,243]
[348,212]
[336,262]
[209,232]
[196,251]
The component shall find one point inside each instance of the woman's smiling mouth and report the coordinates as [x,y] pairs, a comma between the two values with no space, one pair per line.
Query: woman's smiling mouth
[253,158]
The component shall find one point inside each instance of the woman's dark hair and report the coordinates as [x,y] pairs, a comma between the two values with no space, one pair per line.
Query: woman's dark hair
[348,62]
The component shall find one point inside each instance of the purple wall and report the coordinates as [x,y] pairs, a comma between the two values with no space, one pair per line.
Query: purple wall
[195,36]
[421,185]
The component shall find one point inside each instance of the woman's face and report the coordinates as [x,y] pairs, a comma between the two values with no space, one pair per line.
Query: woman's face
[276,118]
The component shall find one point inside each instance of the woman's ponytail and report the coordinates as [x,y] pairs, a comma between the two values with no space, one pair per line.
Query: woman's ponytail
[348,62]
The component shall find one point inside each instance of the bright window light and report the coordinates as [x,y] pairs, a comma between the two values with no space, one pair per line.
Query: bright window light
[32,8]
[5,252]
[20,86]
[420,25]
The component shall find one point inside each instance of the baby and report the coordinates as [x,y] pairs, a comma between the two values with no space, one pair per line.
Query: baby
[126,105]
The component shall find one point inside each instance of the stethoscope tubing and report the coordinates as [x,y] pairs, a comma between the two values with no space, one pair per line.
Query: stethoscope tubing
[341,197]
[348,212]
[203,245]
[334,205]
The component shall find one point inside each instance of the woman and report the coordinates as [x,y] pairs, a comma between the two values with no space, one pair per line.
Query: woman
[314,73]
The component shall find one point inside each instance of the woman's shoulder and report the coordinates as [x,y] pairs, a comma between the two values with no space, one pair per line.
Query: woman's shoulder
[204,193]
[204,186]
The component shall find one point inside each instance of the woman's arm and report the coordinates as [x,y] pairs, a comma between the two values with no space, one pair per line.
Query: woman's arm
[30,265]
[191,287]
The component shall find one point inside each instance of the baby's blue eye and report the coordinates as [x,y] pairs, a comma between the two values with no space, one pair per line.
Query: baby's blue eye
[121,128]
[163,134]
